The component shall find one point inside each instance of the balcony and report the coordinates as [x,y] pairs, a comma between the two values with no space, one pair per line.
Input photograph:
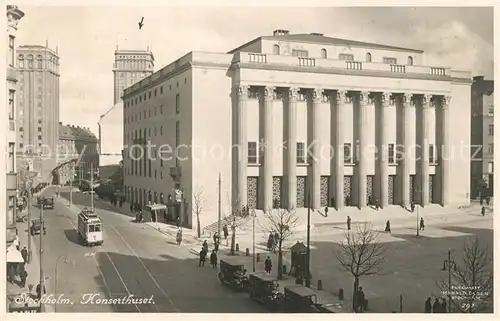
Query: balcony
[12,74]
[11,181]
[12,125]
[175,172]
[356,66]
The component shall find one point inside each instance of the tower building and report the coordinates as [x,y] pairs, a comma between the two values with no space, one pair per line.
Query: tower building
[130,67]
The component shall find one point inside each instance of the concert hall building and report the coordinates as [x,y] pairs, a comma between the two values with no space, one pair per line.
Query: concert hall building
[288,115]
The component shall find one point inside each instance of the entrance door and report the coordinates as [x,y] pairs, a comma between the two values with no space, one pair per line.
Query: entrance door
[390,192]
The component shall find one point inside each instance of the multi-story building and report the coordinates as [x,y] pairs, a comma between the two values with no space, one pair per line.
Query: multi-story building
[14,15]
[78,146]
[482,134]
[38,108]
[291,115]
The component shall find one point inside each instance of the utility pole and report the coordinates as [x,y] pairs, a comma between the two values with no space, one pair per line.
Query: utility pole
[92,186]
[253,240]
[71,184]
[29,183]
[449,280]
[42,229]
[219,209]
[308,280]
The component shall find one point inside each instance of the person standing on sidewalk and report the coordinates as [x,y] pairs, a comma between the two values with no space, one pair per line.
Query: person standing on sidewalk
[24,254]
[226,232]
[23,275]
[213,259]
[388,226]
[203,254]
[179,237]
[428,305]
[412,206]
[483,210]
[422,224]
[348,223]
[268,265]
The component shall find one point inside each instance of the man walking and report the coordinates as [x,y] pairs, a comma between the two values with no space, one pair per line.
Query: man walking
[348,223]
[202,258]
[268,265]
[422,224]
[23,275]
[24,254]
[483,210]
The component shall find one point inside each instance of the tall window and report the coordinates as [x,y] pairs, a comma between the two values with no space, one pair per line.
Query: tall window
[11,51]
[490,167]
[368,57]
[177,133]
[300,53]
[347,153]
[346,57]
[177,103]
[39,62]
[390,61]
[410,61]
[490,129]
[21,61]
[11,209]
[490,149]
[324,54]
[432,156]
[11,166]
[301,153]
[276,50]
[391,154]
[252,153]
[30,61]
[12,106]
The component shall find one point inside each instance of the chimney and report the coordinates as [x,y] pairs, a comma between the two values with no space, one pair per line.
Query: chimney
[316,34]
[478,78]
[280,32]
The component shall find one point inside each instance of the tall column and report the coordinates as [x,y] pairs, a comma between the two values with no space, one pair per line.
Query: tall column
[362,158]
[339,150]
[241,197]
[268,148]
[291,151]
[445,154]
[383,159]
[316,149]
[424,149]
[405,184]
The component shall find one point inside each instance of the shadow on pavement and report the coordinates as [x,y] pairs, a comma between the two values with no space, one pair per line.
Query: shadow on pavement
[72,236]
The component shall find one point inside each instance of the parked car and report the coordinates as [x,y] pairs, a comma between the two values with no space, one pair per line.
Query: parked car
[36,227]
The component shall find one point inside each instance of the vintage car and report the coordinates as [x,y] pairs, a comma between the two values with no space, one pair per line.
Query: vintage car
[264,288]
[36,226]
[233,274]
[300,299]
[48,202]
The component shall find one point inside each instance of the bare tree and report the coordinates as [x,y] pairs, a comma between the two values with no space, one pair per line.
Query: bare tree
[472,279]
[234,220]
[280,222]
[198,207]
[361,254]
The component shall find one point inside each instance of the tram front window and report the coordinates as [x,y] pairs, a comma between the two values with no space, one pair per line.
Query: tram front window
[97,228]
[91,228]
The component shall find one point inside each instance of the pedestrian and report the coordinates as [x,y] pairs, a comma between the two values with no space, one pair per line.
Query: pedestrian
[481,198]
[215,237]
[487,201]
[428,305]
[422,224]
[179,237]
[377,204]
[412,206]
[348,223]
[131,208]
[347,200]
[23,275]
[443,305]
[268,265]
[205,246]
[483,210]
[270,241]
[202,258]
[216,246]
[226,232]
[436,306]
[39,290]
[16,241]
[24,254]
[361,299]
[388,226]
[213,259]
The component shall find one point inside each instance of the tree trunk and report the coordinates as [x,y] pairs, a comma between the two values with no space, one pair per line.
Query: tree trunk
[280,262]
[198,225]
[233,241]
[354,294]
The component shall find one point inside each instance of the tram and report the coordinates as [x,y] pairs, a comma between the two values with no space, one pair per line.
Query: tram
[90,228]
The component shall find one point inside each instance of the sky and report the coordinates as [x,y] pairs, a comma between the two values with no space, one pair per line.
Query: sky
[86,37]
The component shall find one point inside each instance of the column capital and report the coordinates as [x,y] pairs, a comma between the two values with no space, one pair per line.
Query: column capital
[269,92]
[427,101]
[341,96]
[365,98]
[293,93]
[408,100]
[387,99]
[243,90]
[445,102]
[317,94]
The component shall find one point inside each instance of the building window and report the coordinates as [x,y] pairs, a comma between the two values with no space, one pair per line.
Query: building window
[155,131]
[161,162]
[161,90]
[177,103]
[368,57]
[300,53]
[390,61]
[276,50]
[391,153]
[301,153]
[12,206]
[30,61]
[410,61]
[12,106]
[161,130]
[149,94]
[161,109]
[490,149]
[346,57]
[39,137]
[140,99]
[432,154]
[490,167]
[21,61]
[490,110]
[490,129]
[11,51]
[156,89]
[39,129]
[155,111]
[177,133]
[11,166]
[21,145]
[347,153]
[252,153]
[39,62]
[324,54]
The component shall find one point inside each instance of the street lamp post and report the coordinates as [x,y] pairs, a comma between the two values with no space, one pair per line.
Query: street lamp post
[29,183]
[42,279]
[448,265]
[308,262]
[253,240]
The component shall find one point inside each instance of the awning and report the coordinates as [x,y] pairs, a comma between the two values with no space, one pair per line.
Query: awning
[13,255]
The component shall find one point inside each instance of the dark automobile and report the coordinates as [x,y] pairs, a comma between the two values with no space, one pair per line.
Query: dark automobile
[233,274]
[39,200]
[264,288]
[48,202]
[300,299]
[36,226]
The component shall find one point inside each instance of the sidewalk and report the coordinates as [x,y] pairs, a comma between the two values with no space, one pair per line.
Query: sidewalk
[33,269]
